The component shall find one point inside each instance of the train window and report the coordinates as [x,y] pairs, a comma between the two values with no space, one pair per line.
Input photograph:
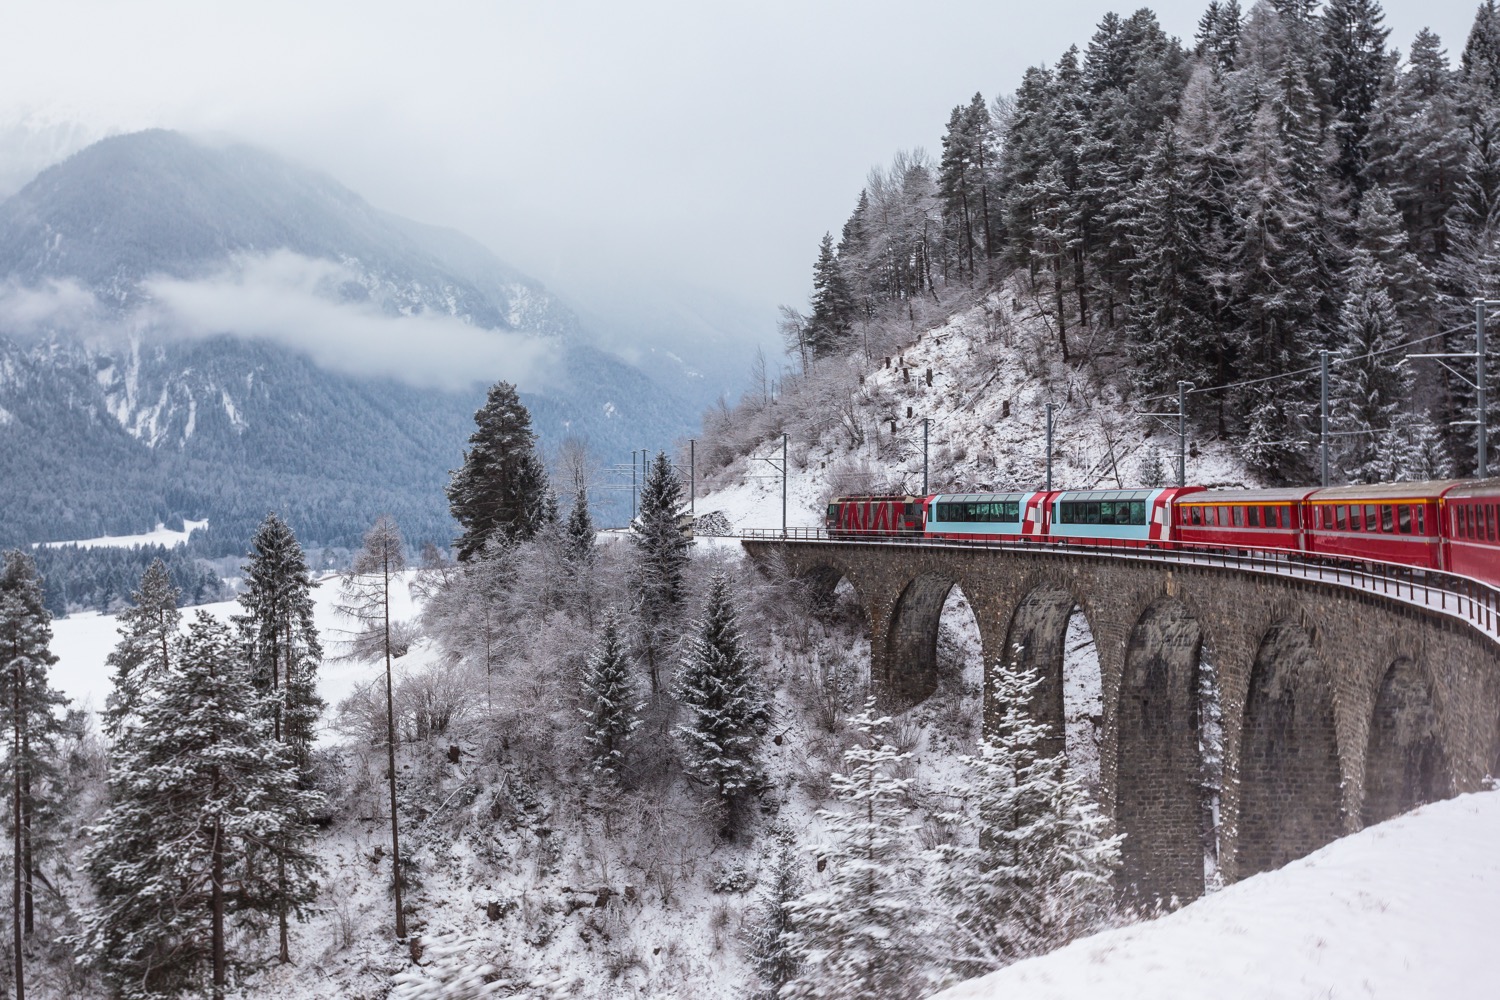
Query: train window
[1489,520]
[1252,515]
[1239,516]
[1197,515]
[1270,517]
[1403,519]
[1338,517]
[1387,518]
[1421,520]
[1370,517]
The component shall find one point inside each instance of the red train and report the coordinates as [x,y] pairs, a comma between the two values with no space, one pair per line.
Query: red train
[1448,524]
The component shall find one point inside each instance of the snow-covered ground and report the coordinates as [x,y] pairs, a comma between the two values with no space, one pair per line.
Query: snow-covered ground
[1406,910]
[160,535]
[83,641]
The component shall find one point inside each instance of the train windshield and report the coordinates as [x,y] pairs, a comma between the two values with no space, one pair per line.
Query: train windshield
[1119,512]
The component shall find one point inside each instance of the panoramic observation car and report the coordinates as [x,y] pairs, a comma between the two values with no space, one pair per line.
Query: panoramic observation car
[1471,542]
[1113,517]
[985,516]
[1247,519]
[1382,522]
[856,517]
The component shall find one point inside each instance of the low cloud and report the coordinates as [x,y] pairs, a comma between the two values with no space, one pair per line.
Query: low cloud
[317,307]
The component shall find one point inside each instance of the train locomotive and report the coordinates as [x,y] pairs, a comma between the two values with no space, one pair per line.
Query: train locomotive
[1448,525]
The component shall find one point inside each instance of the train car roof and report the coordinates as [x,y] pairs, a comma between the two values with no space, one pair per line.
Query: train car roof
[870,498]
[1475,488]
[978,497]
[1090,495]
[1429,489]
[1292,495]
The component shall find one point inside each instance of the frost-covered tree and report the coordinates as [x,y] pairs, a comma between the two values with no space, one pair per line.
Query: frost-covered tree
[662,551]
[1369,386]
[501,488]
[770,936]
[366,600]
[580,532]
[610,710]
[198,788]
[31,722]
[1034,869]
[1354,65]
[728,710]
[858,936]
[280,637]
[144,653]
[282,645]
[828,328]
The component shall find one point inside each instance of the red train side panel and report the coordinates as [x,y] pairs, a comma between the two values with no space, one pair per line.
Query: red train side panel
[1471,535]
[1384,522]
[1249,519]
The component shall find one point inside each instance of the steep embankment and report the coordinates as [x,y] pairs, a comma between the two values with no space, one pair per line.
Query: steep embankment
[982,379]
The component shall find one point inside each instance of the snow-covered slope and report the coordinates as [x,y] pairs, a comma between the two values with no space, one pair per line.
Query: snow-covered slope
[857,425]
[1407,909]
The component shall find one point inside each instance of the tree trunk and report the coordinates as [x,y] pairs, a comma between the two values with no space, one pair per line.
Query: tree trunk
[390,746]
[220,962]
[28,858]
[15,915]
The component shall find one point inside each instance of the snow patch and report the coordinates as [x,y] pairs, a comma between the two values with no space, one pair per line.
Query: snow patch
[160,535]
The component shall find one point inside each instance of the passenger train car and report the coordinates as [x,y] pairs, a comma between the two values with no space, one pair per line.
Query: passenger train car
[1451,525]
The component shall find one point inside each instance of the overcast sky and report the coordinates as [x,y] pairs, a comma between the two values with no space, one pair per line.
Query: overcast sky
[692,142]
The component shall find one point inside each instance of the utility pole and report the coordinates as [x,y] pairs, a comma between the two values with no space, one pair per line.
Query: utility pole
[692,477]
[632,486]
[1480,394]
[924,456]
[1182,391]
[783,485]
[1049,447]
[1323,411]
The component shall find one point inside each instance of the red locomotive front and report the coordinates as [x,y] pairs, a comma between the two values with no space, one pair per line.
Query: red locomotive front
[878,516]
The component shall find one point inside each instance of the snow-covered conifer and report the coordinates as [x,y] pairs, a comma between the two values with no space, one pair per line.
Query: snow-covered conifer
[729,712]
[580,527]
[610,710]
[501,488]
[30,724]
[144,653]
[770,936]
[1369,385]
[663,558]
[198,788]
[1035,865]
[857,936]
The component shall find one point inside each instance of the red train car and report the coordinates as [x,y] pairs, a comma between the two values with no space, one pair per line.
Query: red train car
[1471,536]
[857,517]
[1384,522]
[1249,519]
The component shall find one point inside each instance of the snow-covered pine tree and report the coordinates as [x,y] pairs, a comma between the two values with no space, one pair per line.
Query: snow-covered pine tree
[282,646]
[1479,66]
[1369,386]
[832,318]
[501,487]
[858,936]
[1354,67]
[610,710]
[280,637]
[366,600]
[662,551]
[729,711]
[770,935]
[1036,863]
[144,653]
[1218,35]
[196,787]
[580,533]
[31,724]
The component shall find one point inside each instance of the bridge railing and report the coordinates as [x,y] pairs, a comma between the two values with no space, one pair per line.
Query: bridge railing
[1474,600]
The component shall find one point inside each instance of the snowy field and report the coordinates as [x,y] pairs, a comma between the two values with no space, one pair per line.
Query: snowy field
[83,641]
[160,535]
[1406,910]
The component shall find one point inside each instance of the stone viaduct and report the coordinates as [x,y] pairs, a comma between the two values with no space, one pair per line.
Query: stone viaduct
[1340,707]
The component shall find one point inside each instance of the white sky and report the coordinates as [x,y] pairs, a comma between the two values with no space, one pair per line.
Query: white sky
[586,143]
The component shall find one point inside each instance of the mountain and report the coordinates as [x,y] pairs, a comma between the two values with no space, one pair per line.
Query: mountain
[199,330]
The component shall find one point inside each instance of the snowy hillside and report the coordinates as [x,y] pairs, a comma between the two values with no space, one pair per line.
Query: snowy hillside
[856,424]
[1406,909]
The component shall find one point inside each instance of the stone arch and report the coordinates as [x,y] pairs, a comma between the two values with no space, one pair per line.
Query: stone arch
[1045,621]
[910,667]
[830,588]
[1406,763]
[1159,795]
[1289,772]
